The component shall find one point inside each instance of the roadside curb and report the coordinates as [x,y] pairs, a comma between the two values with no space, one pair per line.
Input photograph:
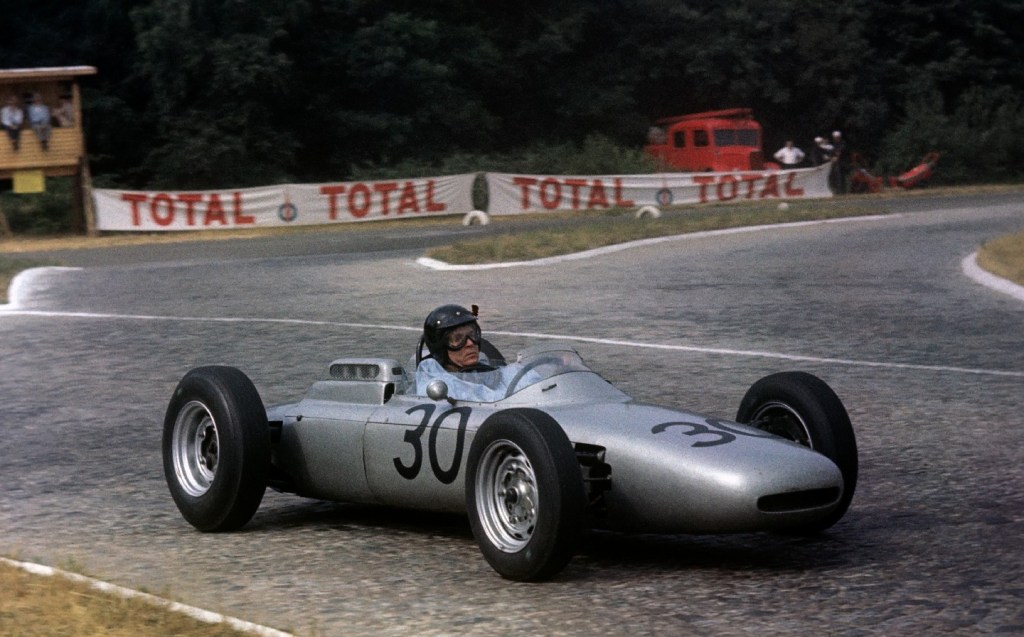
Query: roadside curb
[974,272]
[205,616]
[435,264]
[969,265]
[23,281]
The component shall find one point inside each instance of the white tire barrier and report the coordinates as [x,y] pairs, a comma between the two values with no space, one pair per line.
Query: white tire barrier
[648,211]
[476,218]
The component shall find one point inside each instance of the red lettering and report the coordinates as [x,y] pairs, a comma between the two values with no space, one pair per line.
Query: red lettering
[432,206]
[215,211]
[733,186]
[524,184]
[167,218]
[190,208]
[619,200]
[240,219]
[569,193]
[332,193]
[704,182]
[385,191]
[750,180]
[597,195]
[394,197]
[771,186]
[359,209]
[550,193]
[574,191]
[407,202]
[163,209]
[791,191]
[135,199]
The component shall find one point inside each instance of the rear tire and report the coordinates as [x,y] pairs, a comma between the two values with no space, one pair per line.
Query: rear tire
[804,409]
[524,494]
[216,448]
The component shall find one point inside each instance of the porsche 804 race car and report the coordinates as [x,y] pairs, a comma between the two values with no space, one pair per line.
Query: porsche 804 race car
[562,451]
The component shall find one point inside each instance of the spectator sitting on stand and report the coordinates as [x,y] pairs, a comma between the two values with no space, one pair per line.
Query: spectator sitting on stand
[39,120]
[64,114]
[11,118]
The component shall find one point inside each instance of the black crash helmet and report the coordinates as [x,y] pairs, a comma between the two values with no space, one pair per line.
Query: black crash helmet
[438,322]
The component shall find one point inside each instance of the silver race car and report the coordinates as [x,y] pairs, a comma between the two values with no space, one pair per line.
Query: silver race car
[562,451]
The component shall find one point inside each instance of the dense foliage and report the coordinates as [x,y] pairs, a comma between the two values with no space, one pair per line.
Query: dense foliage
[218,93]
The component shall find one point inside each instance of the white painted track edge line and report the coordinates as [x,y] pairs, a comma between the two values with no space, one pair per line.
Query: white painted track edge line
[205,616]
[696,349]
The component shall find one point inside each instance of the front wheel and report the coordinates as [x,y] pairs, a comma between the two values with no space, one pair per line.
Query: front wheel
[524,494]
[216,448]
[804,409]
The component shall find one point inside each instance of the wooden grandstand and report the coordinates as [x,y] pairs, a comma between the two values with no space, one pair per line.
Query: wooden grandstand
[66,154]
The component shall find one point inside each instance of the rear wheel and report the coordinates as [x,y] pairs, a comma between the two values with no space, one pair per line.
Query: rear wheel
[216,448]
[524,494]
[804,409]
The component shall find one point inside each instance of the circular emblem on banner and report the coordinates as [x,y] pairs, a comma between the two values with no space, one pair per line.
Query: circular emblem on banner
[288,212]
[664,197]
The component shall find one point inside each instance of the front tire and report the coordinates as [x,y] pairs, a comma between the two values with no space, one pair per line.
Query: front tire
[524,494]
[216,448]
[803,408]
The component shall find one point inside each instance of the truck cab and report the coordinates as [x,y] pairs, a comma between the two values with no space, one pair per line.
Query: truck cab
[712,141]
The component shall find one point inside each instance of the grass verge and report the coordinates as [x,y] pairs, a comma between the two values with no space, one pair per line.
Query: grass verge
[620,226]
[1004,257]
[33,605]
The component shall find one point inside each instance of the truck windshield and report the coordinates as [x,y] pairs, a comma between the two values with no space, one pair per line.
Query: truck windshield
[735,137]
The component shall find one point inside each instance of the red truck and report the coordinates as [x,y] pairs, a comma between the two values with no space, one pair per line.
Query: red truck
[712,141]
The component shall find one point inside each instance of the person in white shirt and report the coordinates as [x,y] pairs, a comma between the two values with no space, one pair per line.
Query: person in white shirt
[11,118]
[789,156]
[822,151]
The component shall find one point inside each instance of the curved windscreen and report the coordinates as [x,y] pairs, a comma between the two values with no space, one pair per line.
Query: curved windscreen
[532,365]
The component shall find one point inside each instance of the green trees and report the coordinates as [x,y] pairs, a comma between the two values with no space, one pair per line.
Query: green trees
[955,75]
[216,82]
[216,93]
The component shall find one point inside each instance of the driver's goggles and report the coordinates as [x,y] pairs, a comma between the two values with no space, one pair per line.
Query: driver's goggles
[460,337]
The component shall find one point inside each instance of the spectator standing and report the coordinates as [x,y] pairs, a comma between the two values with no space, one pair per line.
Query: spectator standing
[822,151]
[11,118]
[840,163]
[39,120]
[789,156]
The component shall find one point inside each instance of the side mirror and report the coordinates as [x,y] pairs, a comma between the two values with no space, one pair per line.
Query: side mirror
[437,389]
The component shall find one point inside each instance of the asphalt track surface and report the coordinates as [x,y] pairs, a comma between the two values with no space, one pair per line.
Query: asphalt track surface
[929,363]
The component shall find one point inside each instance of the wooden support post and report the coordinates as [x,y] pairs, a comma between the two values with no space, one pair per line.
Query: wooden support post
[84,191]
[5,228]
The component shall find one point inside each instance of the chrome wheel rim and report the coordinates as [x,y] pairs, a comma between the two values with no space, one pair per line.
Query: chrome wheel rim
[506,496]
[195,448]
[782,420]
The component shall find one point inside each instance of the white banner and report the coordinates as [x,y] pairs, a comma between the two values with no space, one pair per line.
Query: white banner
[512,194]
[285,205]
